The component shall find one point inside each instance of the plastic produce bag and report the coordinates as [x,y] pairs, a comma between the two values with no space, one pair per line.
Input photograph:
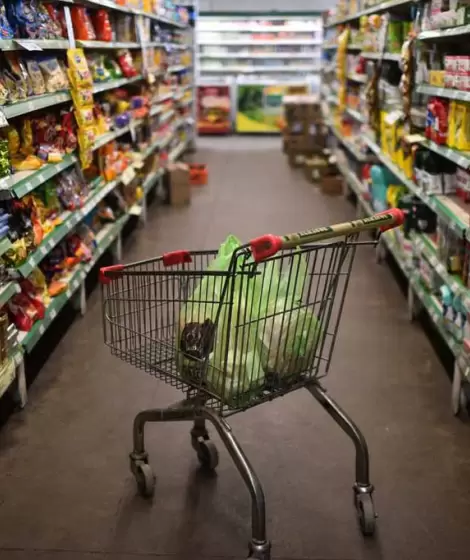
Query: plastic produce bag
[234,370]
[288,331]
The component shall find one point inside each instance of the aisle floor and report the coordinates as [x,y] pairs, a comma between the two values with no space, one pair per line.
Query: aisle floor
[65,489]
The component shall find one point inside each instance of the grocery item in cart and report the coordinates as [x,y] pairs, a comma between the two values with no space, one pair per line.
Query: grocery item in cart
[288,330]
[230,370]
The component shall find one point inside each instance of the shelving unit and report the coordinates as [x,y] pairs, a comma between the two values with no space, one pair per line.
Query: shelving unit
[109,237]
[417,252]
[249,61]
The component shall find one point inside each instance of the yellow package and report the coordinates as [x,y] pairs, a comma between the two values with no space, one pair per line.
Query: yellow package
[406,160]
[84,117]
[397,148]
[86,137]
[79,73]
[82,97]
[451,142]
[462,127]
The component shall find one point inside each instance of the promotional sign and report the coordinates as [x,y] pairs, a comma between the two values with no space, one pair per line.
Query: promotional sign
[259,107]
[213,110]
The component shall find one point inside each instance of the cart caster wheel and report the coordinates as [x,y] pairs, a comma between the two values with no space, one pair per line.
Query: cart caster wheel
[145,479]
[366,514]
[207,454]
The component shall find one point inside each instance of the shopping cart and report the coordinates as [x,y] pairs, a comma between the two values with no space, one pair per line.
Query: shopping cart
[235,336]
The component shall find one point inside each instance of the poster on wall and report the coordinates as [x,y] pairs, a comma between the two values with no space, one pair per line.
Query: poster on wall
[213,110]
[259,106]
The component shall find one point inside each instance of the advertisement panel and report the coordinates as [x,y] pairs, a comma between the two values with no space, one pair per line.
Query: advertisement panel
[259,106]
[213,110]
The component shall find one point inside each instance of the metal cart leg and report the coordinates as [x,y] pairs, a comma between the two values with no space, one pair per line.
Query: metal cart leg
[259,546]
[363,489]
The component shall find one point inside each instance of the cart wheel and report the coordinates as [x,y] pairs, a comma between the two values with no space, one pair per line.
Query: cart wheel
[366,514]
[207,454]
[145,479]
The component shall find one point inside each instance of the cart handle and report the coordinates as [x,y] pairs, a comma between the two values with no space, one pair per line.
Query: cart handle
[268,245]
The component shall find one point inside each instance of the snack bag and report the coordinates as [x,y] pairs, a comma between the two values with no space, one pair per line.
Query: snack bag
[288,331]
[205,323]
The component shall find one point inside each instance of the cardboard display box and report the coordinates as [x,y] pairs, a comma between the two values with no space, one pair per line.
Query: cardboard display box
[178,184]
[318,167]
[332,185]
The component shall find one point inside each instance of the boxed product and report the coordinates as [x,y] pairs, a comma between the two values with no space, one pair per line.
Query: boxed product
[300,111]
[332,185]
[178,184]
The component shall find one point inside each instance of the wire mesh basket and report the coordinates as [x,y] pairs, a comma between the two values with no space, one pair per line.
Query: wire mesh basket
[237,336]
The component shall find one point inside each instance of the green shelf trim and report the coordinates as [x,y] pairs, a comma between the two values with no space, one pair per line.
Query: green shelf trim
[460,158]
[43,44]
[383,7]
[108,45]
[7,291]
[35,104]
[178,151]
[104,239]
[444,33]
[5,244]
[112,84]
[20,186]
[448,93]
[355,115]
[152,180]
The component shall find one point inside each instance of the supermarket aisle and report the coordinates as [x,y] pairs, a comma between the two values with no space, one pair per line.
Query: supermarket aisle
[65,489]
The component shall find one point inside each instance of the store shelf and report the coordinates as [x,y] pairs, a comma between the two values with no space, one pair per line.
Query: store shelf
[7,375]
[5,245]
[356,186]
[108,45]
[348,145]
[112,84]
[35,104]
[176,69]
[460,158]
[444,206]
[178,151]
[427,248]
[378,8]
[394,57]
[24,182]
[151,180]
[103,239]
[444,92]
[69,221]
[33,44]
[7,291]
[361,78]
[355,115]
[444,33]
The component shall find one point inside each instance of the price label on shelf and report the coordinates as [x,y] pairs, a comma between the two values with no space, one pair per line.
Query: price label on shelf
[28,45]
[3,119]
[128,176]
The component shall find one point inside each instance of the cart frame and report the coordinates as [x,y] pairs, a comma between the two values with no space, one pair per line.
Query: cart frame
[202,405]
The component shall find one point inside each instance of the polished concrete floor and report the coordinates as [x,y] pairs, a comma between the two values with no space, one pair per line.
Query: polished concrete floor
[65,489]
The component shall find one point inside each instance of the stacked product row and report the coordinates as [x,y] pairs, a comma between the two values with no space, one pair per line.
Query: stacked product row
[396,99]
[89,133]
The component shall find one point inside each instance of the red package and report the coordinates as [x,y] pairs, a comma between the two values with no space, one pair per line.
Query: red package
[82,26]
[126,64]
[102,25]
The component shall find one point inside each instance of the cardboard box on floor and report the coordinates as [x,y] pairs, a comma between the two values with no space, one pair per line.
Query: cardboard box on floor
[320,166]
[300,111]
[178,184]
